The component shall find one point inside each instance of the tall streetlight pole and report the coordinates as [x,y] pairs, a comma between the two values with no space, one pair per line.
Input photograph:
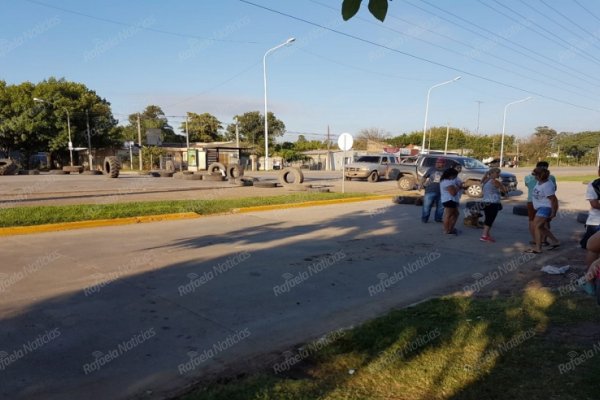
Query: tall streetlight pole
[504,127]
[290,40]
[68,125]
[427,107]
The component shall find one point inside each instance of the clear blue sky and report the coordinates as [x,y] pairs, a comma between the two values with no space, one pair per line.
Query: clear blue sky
[206,56]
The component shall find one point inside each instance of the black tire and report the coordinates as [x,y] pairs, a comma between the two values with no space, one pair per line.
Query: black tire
[520,210]
[404,200]
[475,190]
[216,177]
[242,182]
[8,167]
[261,184]
[407,183]
[582,217]
[187,172]
[296,187]
[91,172]
[348,178]
[111,167]
[317,189]
[234,171]
[373,177]
[217,167]
[286,172]
[29,172]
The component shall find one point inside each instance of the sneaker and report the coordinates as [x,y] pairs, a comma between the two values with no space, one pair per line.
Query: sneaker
[487,239]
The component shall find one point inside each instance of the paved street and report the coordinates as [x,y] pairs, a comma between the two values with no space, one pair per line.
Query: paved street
[145,310]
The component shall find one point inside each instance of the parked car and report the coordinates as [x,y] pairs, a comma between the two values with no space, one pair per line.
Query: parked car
[471,174]
[373,168]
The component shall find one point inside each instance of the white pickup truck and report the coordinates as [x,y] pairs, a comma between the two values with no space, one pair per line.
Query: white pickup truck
[373,168]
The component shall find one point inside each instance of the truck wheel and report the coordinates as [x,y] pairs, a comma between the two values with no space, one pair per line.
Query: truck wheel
[475,190]
[406,183]
[111,167]
[373,177]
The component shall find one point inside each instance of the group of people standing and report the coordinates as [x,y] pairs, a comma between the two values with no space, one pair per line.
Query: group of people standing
[443,190]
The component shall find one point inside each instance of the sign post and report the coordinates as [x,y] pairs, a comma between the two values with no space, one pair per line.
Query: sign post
[345,142]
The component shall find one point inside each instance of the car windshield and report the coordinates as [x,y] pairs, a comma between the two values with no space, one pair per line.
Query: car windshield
[471,163]
[369,159]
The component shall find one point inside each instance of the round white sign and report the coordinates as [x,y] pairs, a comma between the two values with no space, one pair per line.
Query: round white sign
[345,141]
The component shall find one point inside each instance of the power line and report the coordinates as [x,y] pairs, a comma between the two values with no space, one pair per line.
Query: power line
[588,11]
[571,21]
[114,22]
[354,37]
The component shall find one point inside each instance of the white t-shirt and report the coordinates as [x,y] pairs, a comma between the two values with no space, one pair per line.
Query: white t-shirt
[541,192]
[594,214]
[445,195]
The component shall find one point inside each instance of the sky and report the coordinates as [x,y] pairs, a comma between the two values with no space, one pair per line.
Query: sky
[207,56]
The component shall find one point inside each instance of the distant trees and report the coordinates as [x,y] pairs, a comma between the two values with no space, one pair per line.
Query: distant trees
[251,126]
[202,127]
[152,117]
[28,126]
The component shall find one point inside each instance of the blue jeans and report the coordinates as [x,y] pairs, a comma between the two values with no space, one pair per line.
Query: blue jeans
[429,200]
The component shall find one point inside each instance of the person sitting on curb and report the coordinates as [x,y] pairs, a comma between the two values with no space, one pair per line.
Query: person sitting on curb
[530,182]
[592,224]
[431,182]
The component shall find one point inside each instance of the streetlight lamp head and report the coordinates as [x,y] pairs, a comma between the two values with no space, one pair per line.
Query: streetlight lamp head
[457,78]
[290,40]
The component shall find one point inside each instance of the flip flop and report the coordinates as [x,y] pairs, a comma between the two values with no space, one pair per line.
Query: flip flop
[532,251]
[554,246]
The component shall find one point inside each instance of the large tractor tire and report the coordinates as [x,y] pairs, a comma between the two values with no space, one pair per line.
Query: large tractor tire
[298,176]
[111,167]
[8,167]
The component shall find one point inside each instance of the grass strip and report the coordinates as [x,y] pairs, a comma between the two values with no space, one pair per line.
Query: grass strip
[576,178]
[38,215]
[535,346]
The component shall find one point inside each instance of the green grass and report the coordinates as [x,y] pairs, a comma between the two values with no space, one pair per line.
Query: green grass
[576,178]
[26,216]
[451,348]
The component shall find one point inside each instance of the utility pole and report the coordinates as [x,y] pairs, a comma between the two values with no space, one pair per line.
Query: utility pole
[89,137]
[328,161]
[447,134]
[139,126]
[478,112]
[237,133]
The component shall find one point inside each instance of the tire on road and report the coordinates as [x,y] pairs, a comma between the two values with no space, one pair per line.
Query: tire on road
[73,168]
[29,172]
[294,172]
[8,167]
[520,209]
[165,174]
[217,167]
[91,172]
[404,200]
[234,171]
[373,177]
[263,184]
[216,177]
[407,183]
[111,167]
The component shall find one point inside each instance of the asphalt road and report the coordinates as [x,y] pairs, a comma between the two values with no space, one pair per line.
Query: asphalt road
[142,311]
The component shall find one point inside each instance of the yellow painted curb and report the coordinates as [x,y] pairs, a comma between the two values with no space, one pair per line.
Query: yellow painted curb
[64,226]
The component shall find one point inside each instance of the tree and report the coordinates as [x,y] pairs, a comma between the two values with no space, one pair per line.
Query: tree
[370,135]
[152,117]
[29,126]
[252,130]
[202,127]
[377,7]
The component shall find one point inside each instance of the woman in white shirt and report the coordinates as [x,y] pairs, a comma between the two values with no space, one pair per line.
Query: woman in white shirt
[450,190]
[492,190]
[545,204]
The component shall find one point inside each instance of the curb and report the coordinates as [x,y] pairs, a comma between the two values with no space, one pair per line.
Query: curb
[66,226]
